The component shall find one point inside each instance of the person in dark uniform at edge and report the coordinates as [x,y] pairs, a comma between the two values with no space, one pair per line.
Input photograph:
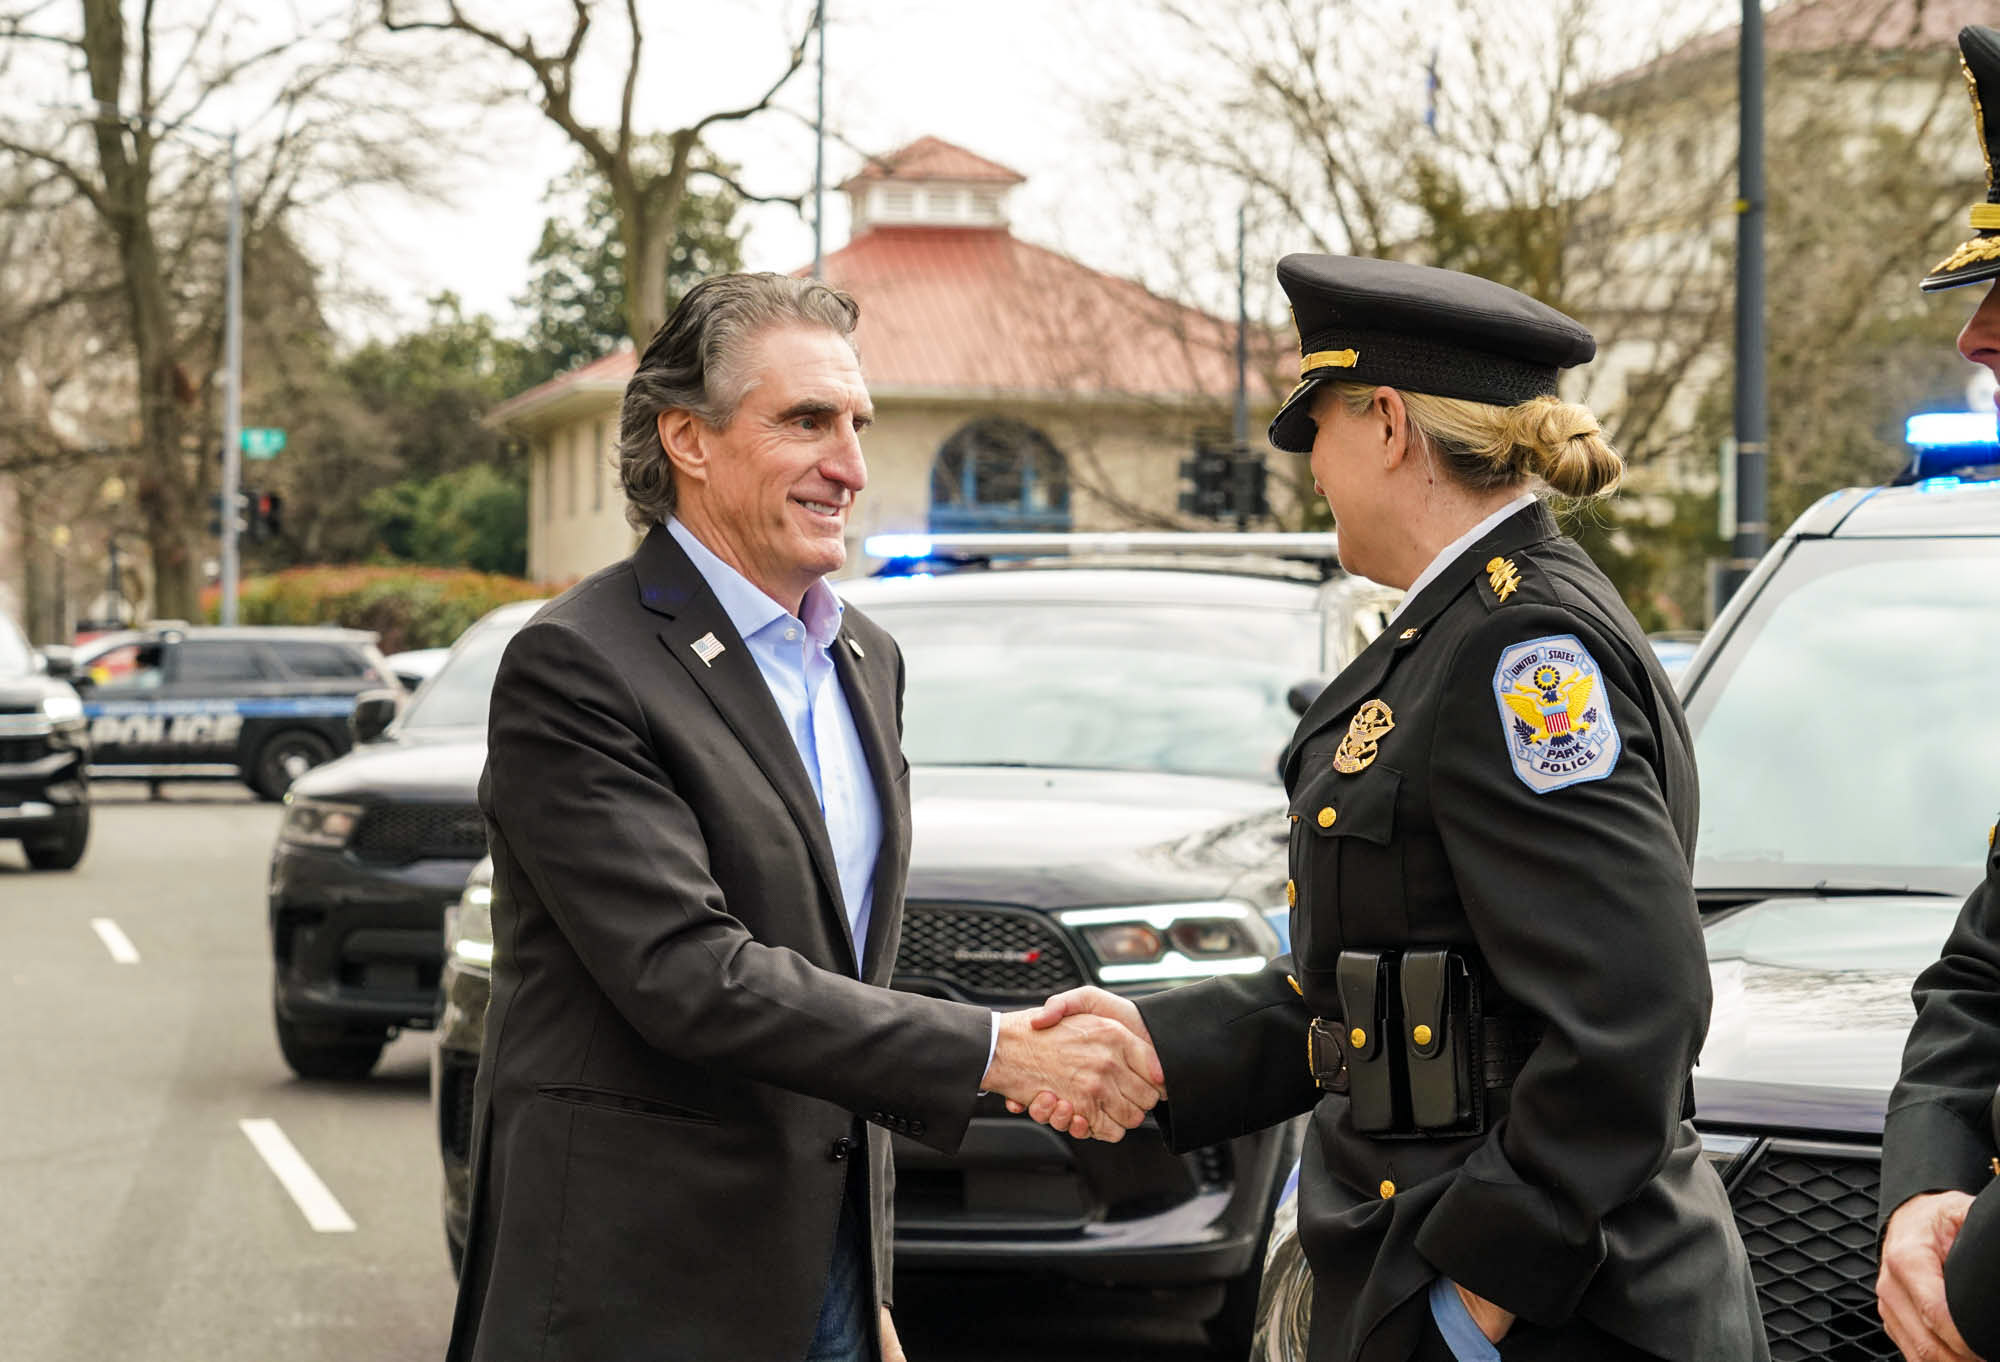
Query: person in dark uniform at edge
[1939,1289]
[1496,951]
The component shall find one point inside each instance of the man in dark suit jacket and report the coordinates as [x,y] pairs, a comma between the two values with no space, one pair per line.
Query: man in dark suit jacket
[699,822]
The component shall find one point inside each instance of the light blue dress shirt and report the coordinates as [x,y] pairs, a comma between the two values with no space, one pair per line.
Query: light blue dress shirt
[1462,1334]
[792,654]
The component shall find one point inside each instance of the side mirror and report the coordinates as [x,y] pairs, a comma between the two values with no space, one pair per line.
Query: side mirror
[58,661]
[374,711]
[1301,696]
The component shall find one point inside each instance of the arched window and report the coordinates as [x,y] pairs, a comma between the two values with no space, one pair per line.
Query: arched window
[997,473]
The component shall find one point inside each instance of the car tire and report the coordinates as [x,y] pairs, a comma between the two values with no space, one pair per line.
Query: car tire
[285,757]
[63,850]
[328,1052]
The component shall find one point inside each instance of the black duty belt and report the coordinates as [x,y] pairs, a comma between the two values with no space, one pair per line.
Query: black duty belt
[1415,1051]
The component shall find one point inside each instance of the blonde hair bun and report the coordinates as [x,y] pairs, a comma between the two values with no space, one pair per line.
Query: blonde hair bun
[1563,446]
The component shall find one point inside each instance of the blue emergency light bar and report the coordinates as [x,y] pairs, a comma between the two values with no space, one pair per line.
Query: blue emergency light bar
[1307,547]
[1949,442]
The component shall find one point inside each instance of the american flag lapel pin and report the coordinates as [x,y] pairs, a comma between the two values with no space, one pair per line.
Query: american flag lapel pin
[708,647]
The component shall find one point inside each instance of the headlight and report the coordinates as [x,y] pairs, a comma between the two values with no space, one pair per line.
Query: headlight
[62,709]
[318,822]
[1724,1152]
[1166,941]
[468,928]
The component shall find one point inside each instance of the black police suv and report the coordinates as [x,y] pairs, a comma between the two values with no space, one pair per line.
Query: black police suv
[1095,736]
[372,849]
[44,746]
[1849,750]
[260,704]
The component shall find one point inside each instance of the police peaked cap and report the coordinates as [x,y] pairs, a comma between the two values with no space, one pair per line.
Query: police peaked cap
[1420,329]
[1977,259]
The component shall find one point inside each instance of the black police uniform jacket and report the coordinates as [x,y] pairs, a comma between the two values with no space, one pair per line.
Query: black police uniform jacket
[678,1041]
[1589,1199]
[1939,1133]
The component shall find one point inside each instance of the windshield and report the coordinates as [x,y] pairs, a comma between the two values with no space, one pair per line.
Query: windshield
[1847,732]
[456,696]
[1121,687]
[16,659]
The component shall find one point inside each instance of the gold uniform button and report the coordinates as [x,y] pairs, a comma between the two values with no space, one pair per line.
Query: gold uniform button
[1387,1189]
[1357,1037]
[1291,894]
[1326,817]
[1422,1035]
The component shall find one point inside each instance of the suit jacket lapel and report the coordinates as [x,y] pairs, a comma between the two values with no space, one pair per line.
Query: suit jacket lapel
[1529,525]
[872,705]
[670,585]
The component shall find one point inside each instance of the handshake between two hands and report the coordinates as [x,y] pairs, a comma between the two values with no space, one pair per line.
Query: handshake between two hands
[1082,1062]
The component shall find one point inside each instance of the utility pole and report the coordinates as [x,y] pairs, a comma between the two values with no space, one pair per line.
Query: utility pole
[232,405]
[1752,426]
[819,149]
[1242,426]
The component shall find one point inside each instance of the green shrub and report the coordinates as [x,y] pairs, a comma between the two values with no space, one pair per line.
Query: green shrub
[409,607]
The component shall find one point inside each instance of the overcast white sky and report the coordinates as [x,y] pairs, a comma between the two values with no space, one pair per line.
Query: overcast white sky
[1013,82]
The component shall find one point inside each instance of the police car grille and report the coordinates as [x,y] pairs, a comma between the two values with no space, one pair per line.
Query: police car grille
[17,750]
[393,833]
[1807,1216]
[996,953]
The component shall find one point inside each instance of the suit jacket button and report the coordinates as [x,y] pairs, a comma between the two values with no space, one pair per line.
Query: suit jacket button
[916,1127]
[838,1152]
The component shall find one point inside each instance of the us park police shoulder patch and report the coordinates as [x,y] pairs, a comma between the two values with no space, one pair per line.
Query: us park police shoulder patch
[1555,713]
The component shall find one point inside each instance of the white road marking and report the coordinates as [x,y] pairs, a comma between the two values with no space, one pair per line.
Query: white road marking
[115,941]
[322,1211]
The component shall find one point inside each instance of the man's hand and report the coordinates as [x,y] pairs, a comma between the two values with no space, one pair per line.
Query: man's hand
[1047,1107]
[1910,1289]
[1106,1077]
[1491,1319]
[892,1347]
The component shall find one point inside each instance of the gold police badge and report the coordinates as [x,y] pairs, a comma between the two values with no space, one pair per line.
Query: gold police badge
[1371,723]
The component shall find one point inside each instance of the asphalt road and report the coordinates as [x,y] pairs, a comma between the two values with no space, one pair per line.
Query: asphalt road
[144,1223]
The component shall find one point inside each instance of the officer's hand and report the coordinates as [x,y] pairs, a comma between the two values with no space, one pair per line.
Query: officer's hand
[1910,1289]
[892,1347]
[1491,1319]
[1108,1078]
[1047,1108]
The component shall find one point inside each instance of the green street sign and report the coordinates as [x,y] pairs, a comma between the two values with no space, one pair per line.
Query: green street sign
[262,442]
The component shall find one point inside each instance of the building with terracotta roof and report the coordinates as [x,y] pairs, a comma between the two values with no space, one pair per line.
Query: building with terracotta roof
[1014,387]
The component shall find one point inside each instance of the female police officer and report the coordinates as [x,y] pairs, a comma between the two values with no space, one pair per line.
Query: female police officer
[1498,987]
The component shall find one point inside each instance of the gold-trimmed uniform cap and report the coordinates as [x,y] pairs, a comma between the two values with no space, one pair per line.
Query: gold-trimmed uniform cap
[1977,259]
[1420,329]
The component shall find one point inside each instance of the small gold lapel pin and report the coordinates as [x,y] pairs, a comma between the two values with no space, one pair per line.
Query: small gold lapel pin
[1407,635]
[853,646]
[708,647]
[1502,576]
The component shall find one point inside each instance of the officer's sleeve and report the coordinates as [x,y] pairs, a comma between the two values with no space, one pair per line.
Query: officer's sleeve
[620,859]
[1938,1135]
[1234,1053]
[1580,900]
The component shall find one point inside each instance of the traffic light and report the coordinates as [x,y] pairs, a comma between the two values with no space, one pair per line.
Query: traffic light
[1208,471]
[215,512]
[1227,483]
[264,515]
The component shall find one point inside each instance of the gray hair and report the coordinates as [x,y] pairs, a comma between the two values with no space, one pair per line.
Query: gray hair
[695,361]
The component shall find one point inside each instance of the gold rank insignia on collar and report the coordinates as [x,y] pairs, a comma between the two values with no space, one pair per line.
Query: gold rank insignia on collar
[1503,577]
[1371,723]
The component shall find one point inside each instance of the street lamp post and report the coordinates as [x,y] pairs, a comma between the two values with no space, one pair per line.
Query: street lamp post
[232,402]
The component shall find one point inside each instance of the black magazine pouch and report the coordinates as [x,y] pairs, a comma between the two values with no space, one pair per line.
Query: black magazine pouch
[1363,980]
[1440,1021]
